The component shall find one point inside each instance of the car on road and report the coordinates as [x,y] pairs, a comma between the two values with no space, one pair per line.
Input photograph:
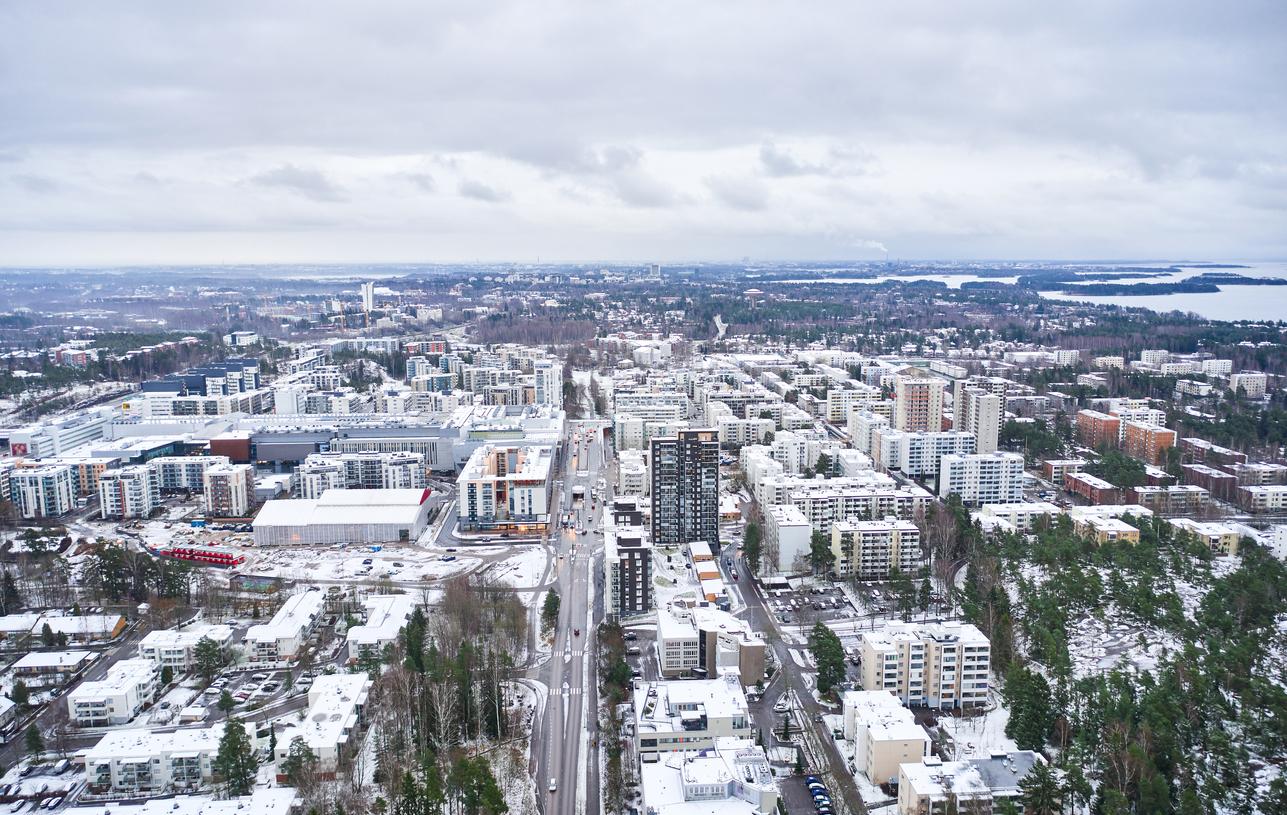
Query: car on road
[554,785]
[782,706]
[630,635]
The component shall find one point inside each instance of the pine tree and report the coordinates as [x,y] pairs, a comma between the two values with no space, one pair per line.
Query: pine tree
[34,742]
[236,761]
[1041,792]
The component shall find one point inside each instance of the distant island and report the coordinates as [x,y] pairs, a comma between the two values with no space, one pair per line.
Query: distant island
[1206,283]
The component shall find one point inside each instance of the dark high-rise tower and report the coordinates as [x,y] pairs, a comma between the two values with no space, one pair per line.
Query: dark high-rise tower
[685,489]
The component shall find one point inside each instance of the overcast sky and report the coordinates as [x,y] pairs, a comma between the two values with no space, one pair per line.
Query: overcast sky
[173,132]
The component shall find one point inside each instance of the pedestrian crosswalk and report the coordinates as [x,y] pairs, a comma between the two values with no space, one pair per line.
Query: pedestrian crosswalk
[567,692]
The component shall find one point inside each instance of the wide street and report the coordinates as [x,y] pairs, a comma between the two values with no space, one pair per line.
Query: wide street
[568,729]
[830,765]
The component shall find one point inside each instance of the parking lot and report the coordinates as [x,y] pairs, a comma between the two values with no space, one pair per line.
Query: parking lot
[806,606]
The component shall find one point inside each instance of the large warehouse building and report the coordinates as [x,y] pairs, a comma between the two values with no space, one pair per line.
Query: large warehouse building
[344,516]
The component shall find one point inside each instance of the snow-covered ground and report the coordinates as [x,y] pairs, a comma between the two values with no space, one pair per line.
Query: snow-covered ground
[981,733]
[523,568]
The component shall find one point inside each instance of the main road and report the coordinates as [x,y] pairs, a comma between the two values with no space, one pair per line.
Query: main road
[567,733]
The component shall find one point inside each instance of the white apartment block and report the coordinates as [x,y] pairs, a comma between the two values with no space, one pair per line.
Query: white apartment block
[979,412]
[547,375]
[43,492]
[982,478]
[1271,498]
[506,487]
[1016,517]
[229,489]
[841,401]
[185,472]
[738,432]
[786,540]
[118,697]
[974,785]
[175,648]
[140,762]
[280,639]
[918,454]
[632,473]
[386,616]
[370,470]
[1154,358]
[56,436]
[863,426]
[938,665]
[1253,384]
[130,492]
[825,504]
[885,734]
[1217,367]
[871,550]
[688,714]
[336,710]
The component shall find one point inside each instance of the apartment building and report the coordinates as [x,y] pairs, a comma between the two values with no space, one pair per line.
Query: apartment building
[632,473]
[506,488]
[1146,442]
[685,488]
[982,478]
[43,492]
[1250,384]
[384,617]
[1180,499]
[1220,538]
[370,470]
[1201,451]
[280,639]
[937,664]
[627,559]
[787,539]
[688,714]
[872,550]
[863,426]
[1105,528]
[703,640]
[919,454]
[1016,517]
[978,411]
[884,733]
[143,763]
[1220,484]
[840,401]
[1272,498]
[1055,469]
[229,490]
[826,501]
[330,727]
[176,473]
[130,492]
[175,648]
[1096,429]
[974,785]
[129,686]
[918,402]
[1092,488]
[732,777]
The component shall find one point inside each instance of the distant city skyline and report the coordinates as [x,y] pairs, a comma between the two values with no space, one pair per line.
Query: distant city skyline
[174,134]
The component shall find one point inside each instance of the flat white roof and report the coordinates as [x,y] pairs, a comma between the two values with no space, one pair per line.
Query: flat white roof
[344,507]
[386,615]
[124,675]
[290,618]
[53,659]
[143,743]
[186,637]
[261,801]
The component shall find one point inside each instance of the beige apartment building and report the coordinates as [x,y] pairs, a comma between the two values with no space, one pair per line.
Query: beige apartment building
[870,550]
[942,665]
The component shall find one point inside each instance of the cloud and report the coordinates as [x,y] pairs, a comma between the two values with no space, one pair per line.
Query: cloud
[300,181]
[421,181]
[479,191]
[781,163]
[624,130]
[745,194]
